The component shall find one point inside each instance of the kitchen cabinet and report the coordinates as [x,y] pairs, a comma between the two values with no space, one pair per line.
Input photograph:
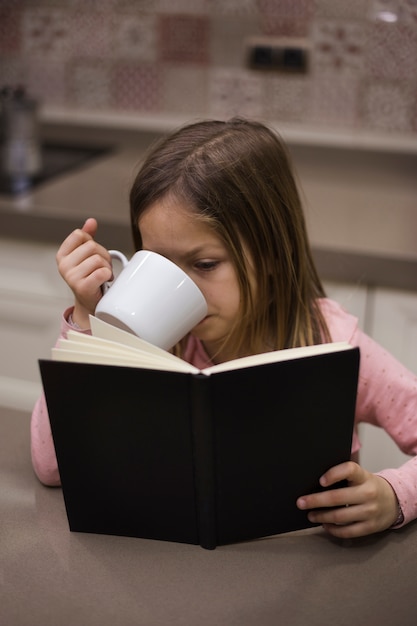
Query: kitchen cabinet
[390,317]
[32,298]
[393,323]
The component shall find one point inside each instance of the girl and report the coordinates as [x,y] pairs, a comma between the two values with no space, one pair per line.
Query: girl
[219,199]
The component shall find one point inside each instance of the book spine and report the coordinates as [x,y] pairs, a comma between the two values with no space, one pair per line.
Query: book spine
[204,470]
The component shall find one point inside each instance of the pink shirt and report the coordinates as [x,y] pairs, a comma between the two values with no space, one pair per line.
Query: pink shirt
[387,397]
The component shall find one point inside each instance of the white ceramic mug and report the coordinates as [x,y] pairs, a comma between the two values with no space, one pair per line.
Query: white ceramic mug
[152,298]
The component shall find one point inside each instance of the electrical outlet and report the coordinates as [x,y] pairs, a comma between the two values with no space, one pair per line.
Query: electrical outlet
[277,54]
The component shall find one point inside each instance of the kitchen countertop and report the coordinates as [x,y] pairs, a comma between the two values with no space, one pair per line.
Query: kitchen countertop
[50,576]
[361,207]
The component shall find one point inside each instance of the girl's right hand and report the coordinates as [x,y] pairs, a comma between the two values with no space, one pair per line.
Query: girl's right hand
[84,265]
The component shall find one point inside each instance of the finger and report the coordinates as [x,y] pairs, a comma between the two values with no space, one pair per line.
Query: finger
[350,471]
[326,499]
[349,531]
[86,270]
[341,515]
[88,249]
[90,226]
[73,241]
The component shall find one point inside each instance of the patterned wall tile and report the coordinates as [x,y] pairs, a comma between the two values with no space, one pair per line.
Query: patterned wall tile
[384,10]
[408,12]
[13,71]
[180,7]
[136,87]
[347,9]
[188,56]
[391,51]
[47,33]
[284,28]
[338,46]
[89,85]
[10,31]
[287,98]
[183,39]
[92,34]
[335,100]
[235,92]
[414,115]
[394,11]
[236,8]
[46,81]
[287,17]
[289,9]
[135,37]
[227,41]
[90,5]
[185,89]
[389,106]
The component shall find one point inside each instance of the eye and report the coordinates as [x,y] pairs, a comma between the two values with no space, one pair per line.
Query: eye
[206,266]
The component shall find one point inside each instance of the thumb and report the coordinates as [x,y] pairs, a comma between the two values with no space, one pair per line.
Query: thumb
[90,226]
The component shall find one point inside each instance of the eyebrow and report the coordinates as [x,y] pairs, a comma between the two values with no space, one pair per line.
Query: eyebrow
[200,249]
[190,253]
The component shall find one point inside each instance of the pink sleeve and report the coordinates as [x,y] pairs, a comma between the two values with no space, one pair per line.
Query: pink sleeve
[387,398]
[42,446]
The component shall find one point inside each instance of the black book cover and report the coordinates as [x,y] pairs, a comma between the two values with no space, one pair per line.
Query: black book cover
[199,459]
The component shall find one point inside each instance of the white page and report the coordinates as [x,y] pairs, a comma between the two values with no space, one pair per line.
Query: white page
[107,331]
[277,356]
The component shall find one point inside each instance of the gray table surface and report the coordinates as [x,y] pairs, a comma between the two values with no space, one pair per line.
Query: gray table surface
[50,576]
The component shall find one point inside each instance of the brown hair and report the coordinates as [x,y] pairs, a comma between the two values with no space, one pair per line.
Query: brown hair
[237,176]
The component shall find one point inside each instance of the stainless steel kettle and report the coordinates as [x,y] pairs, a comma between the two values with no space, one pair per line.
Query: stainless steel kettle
[20,149]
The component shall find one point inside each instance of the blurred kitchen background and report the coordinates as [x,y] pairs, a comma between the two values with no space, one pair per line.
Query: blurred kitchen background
[189,57]
[102,79]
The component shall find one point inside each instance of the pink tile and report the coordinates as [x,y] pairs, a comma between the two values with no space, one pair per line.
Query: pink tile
[287,17]
[293,9]
[182,7]
[136,87]
[92,34]
[391,51]
[284,28]
[184,38]
[10,32]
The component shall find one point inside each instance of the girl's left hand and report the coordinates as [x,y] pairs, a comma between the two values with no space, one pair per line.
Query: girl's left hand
[367,505]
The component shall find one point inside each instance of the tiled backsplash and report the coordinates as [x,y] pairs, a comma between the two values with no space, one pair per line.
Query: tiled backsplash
[188,57]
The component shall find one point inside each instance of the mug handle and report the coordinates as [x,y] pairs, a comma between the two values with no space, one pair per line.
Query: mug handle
[115,254]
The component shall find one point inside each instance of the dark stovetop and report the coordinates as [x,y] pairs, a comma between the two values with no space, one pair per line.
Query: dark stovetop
[56,160]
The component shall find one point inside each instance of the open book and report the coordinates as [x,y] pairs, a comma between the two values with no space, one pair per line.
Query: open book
[109,345]
[148,446]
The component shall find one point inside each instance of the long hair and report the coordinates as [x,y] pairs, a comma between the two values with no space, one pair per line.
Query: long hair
[238,178]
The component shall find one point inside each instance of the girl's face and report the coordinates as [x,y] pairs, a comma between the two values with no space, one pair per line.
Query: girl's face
[170,228]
